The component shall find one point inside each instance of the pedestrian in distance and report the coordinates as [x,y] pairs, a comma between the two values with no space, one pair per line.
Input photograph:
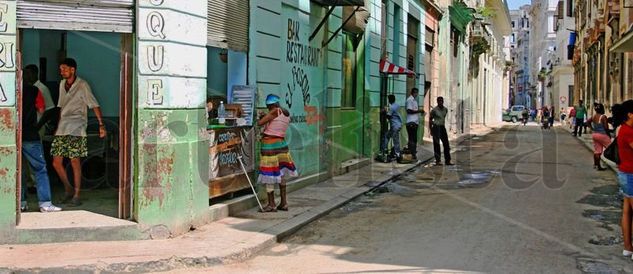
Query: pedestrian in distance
[551,116]
[572,118]
[275,162]
[71,142]
[395,124]
[600,135]
[524,115]
[413,121]
[437,124]
[624,137]
[581,112]
[33,102]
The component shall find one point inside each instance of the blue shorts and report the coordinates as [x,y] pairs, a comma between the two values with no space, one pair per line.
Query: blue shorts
[626,183]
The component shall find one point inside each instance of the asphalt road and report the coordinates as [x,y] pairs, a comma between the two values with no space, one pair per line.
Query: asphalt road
[520,200]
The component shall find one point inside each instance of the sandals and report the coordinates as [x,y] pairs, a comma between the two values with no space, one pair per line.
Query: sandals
[282,208]
[268,209]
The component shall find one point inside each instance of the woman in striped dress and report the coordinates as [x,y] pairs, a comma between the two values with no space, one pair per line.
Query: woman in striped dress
[275,161]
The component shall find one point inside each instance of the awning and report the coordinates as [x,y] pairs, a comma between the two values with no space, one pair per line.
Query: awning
[340,2]
[387,67]
[460,15]
[625,44]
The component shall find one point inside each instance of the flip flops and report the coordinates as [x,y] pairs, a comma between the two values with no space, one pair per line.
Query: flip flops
[268,209]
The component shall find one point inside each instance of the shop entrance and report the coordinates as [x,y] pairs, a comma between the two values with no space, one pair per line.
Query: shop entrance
[104,60]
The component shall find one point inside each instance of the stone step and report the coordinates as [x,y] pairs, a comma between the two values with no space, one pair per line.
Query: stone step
[74,225]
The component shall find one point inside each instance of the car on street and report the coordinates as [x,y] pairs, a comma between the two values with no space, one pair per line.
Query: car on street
[513,114]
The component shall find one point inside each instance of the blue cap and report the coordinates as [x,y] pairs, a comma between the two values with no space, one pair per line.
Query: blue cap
[271,99]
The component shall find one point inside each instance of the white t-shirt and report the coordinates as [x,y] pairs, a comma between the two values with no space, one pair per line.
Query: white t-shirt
[412,104]
[74,105]
[46,93]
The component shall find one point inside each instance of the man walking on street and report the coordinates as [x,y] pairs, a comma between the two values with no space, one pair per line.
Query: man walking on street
[32,149]
[438,131]
[581,111]
[75,97]
[413,120]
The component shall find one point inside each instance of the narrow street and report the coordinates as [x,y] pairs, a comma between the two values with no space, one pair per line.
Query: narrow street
[520,200]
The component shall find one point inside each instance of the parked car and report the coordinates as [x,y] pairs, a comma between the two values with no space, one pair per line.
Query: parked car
[513,114]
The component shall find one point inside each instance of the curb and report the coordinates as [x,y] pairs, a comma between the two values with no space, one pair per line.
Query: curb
[265,239]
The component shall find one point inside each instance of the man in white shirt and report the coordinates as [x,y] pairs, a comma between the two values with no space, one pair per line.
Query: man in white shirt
[75,97]
[413,121]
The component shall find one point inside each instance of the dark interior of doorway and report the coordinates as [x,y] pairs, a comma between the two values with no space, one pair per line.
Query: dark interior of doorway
[99,63]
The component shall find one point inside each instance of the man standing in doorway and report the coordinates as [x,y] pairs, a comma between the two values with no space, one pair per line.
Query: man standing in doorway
[32,149]
[438,131]
[46,93]
[413,120]
[75,97]
[581,111]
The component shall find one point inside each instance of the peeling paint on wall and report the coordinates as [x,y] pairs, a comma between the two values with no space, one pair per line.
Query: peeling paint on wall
[6,119]
[158,168]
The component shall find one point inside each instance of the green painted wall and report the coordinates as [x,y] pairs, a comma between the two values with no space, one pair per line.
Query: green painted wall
[97,55]
[284,62]
[217,79]
[173,168]
[171,155]
[98,62]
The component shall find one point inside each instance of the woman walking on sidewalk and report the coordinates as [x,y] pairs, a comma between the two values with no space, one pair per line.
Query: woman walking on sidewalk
[600,135]
[275,160]
[624,137]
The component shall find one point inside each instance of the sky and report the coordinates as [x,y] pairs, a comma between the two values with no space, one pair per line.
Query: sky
[515,4]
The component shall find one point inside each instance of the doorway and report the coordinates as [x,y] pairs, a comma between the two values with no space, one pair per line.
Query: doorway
[104,60]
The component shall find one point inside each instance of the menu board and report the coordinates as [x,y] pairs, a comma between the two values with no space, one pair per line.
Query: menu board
[245,96]
[226,146]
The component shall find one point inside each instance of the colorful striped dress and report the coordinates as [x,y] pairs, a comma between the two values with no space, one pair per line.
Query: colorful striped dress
[275,161]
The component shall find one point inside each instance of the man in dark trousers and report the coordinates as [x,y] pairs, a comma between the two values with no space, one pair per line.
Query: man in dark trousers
[437,126]
[32,150]
[581,112]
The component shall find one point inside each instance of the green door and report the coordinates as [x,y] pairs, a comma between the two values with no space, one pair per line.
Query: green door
[353,106]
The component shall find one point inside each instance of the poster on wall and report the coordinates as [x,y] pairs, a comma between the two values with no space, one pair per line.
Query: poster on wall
[244,96]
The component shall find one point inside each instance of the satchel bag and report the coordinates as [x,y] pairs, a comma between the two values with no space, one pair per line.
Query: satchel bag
[611,153]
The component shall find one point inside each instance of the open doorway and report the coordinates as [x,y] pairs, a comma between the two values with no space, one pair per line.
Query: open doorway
[104,62]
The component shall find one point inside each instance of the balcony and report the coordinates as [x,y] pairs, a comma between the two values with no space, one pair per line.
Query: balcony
[614,8]
[478,31]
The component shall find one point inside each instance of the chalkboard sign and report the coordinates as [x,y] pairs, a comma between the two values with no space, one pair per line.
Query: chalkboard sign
[245,96]
[226,146]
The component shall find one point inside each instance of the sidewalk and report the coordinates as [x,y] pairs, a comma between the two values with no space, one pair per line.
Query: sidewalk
[230,239]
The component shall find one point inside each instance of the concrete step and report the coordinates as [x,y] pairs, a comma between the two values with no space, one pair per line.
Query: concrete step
[78,225]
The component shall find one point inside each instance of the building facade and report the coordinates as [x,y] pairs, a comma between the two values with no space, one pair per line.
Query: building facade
[520,57]
[153,79]
[543,50]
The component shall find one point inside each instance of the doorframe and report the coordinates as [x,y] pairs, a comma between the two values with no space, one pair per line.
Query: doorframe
[125,126]
[18,133]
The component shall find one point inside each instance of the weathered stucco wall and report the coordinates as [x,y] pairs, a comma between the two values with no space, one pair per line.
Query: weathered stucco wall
[285,63]
[8,119]
[171,194]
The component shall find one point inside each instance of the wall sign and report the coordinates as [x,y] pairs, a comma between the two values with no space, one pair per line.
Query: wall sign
[172,54]
[303,66]
[7,53]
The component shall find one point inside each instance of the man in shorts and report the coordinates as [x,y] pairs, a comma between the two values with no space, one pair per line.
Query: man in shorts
[75,97]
